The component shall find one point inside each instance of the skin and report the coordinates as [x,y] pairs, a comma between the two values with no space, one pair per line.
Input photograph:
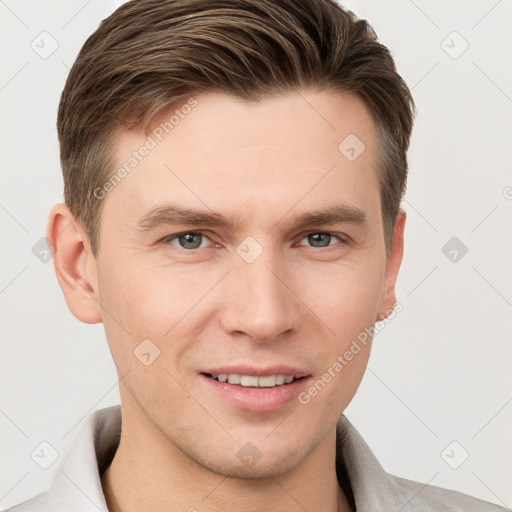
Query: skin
[298,303]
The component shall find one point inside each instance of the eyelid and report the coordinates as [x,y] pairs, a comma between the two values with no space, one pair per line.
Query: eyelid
[341,236]
[167,239]
[345,239]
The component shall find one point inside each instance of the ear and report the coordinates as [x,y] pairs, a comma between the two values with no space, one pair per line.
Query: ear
[74,263]
[394,259]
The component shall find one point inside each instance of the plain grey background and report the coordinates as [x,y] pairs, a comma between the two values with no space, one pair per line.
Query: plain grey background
[436,402]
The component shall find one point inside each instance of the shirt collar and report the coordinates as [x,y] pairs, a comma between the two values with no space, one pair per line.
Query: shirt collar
[77,483]
[373,489]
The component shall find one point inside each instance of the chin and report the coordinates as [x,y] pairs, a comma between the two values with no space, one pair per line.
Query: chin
[254,463]
[260,470]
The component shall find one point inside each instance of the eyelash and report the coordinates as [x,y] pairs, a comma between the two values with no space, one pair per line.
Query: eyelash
[167,240]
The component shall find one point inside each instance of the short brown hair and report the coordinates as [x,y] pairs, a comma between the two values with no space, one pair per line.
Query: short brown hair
[150,53]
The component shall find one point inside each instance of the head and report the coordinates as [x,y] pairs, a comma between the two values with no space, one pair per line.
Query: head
[264,125]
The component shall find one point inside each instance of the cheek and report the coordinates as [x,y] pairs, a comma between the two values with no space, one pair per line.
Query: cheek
[142,296]
[345,296]
[131,303]
[142,310]
[151,302]
[347,303]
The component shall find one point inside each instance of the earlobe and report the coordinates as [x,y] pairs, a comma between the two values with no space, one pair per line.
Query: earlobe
[394,259]
[74,263]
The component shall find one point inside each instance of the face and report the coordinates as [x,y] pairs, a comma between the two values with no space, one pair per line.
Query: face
[276,274]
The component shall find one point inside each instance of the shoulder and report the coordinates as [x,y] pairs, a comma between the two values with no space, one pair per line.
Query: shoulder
[374,489]
[429,497]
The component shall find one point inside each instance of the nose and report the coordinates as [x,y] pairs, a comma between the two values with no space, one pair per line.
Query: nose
[258,301]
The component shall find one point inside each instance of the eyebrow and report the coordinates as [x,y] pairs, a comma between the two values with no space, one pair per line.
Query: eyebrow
[172,214]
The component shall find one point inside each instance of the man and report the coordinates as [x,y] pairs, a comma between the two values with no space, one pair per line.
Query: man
[233,175]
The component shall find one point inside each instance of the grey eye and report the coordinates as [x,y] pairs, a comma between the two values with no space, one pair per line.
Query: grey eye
[187,240]
[319,239]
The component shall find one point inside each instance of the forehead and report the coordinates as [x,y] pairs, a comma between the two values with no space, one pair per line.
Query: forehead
[231,155]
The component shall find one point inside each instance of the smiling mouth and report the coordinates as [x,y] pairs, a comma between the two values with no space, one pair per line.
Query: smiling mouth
[252,381]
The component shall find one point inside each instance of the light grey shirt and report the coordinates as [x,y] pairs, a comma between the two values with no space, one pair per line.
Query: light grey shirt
[76,485]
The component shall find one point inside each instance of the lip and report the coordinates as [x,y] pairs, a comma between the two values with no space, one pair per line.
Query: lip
[252,398]
[258,371]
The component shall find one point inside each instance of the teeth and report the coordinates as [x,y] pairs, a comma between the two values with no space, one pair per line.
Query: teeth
[268,381]
[280,379]
[248,380]
[234,378]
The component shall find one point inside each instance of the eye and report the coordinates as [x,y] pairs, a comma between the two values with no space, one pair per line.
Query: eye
[321,239]
[190,240]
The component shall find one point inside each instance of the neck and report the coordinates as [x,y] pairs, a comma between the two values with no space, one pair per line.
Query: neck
[149,473]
